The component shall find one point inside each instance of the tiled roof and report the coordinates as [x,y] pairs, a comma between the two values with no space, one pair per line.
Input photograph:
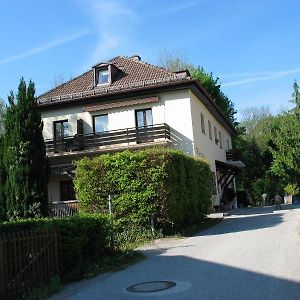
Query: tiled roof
[133,74]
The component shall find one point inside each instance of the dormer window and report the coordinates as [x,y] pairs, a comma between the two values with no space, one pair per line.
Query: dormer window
[103,76]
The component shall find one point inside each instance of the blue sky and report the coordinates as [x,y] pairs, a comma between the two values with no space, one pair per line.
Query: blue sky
[253,46]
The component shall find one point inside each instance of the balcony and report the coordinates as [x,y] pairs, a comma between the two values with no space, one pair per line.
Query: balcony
[233,155]
[114,139]
[234,158]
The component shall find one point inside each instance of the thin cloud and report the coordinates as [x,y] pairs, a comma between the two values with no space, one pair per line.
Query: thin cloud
[114,26]
[260,76]
[178,8]
[44,47]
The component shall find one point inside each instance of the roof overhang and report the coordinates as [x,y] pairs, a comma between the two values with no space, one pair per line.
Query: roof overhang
[126,94]
[230,165]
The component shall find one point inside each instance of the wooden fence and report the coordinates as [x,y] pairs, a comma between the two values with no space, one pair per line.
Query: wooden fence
[27,258]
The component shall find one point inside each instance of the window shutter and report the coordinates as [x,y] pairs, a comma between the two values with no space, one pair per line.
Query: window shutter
[80,126]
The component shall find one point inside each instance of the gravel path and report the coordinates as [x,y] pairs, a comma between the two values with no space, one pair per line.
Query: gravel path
[252,254]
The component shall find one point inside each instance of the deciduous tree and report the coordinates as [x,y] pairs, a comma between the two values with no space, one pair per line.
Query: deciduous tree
[174,62]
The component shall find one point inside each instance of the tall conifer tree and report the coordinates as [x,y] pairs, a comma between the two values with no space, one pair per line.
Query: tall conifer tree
[25,160]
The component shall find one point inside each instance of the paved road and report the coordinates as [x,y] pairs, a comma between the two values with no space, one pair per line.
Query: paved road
[252,254]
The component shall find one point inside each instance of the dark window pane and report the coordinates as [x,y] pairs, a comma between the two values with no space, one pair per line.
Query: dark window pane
[61,129]
[67,190]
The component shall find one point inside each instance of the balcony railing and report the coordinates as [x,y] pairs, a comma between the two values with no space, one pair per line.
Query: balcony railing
[233,155]
[126,136]
[64,208]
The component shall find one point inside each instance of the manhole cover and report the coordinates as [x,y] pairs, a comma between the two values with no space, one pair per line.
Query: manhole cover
[151,286]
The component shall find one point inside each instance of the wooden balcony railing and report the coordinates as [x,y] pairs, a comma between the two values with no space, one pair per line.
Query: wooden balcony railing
[64,208]
[114,137]
[233,155]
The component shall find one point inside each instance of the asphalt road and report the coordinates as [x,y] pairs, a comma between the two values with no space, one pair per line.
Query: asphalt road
[252,254]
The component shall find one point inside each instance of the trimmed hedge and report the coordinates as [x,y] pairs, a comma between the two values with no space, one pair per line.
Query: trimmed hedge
[169,185]
[81,239]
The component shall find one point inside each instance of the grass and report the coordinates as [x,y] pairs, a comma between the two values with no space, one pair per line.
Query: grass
[194,229]
[115,262]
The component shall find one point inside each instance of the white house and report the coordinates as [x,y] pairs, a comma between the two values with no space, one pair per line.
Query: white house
[126,103]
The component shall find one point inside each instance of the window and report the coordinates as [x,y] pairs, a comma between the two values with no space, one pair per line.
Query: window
[61,129]
[100,123]
[220,139]
[67,190]
[143,117]
[202,123]
[209,130]
[216,135]
[103,76]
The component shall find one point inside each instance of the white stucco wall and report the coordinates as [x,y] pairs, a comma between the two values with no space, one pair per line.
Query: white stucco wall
[173,108]
[203,145]
[72,114]
[178,116]
[180,109]
[54,187]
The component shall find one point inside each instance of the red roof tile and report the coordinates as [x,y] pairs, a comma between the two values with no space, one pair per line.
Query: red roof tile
[133,74]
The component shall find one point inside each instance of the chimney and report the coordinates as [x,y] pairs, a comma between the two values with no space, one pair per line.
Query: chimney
[135,57]
[183,73]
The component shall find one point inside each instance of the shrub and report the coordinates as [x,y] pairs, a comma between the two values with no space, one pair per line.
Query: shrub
[291,189]
[168,185]
[81,238]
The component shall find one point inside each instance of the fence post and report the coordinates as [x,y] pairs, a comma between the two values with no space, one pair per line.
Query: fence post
[110,208]
[55,246]
[152,225]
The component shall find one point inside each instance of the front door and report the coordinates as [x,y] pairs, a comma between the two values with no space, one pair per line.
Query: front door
[144,122]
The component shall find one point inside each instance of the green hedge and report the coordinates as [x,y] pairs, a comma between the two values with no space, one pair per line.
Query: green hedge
[81,239]
[169,185]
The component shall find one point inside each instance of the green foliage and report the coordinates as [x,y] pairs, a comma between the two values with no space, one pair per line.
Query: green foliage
[253,144]
[292,189]
[167,185]
[2,112]
[270,148]
[24,155]
[81,238]
[296,95]
[213,87]
[2,182]
[285,146]
[175,62]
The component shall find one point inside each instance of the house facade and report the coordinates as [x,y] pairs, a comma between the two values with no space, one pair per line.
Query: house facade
[128,104]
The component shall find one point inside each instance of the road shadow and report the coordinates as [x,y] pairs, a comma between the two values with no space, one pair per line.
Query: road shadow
[261,210]
[211,280]
[238,223]
[195,279]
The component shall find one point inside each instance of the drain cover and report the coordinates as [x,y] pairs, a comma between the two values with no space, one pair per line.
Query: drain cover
[151,286]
